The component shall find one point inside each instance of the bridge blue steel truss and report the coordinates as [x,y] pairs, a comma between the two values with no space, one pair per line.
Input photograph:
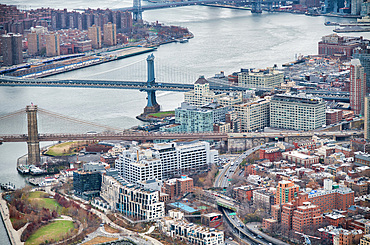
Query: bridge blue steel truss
[150,86]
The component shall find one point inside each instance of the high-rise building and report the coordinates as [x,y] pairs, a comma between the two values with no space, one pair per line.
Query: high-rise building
[34,43]
[110,34]
[253,115]
[367,118]
[11,47]
[356,7]
[94,34]
[286,191]
[297,112]
[52,44]
[265,78]
[357,87]
[364,56]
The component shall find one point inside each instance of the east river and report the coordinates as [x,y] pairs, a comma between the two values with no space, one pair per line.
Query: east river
[224,40]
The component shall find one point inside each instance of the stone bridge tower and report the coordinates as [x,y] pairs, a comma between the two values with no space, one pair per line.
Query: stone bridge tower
[33,135]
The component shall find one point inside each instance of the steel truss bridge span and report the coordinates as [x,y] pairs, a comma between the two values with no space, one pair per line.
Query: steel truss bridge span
[73,83]
[146,136]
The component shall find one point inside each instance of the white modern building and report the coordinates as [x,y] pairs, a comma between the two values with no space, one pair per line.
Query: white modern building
[163,161]
[131,200]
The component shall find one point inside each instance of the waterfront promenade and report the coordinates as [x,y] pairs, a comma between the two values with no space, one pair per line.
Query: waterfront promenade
[14,236]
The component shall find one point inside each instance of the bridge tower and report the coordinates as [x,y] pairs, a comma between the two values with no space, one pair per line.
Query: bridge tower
[138,11]
[256,6]
[152,105]
[33,135]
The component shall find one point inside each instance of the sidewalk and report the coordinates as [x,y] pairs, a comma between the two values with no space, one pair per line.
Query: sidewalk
[15,236]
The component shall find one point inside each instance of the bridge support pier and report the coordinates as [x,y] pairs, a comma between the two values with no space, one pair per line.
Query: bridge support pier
[33,135]
[152,106]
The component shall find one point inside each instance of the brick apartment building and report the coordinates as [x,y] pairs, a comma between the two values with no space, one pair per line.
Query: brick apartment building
[178,186]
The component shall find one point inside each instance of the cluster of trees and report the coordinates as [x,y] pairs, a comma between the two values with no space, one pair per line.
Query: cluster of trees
[39,219]
[88,220]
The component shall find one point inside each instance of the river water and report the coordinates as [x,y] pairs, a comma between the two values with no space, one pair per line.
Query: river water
[224,40]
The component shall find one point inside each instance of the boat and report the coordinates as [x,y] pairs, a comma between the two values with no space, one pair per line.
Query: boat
[184,40]
[23,169]
[328,23]
[8,187]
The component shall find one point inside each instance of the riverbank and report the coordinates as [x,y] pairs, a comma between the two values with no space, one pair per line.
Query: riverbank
[13,235]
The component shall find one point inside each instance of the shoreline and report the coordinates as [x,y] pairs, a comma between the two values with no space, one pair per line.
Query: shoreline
[13,236]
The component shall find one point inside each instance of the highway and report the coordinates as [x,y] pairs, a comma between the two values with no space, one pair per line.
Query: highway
[222,180]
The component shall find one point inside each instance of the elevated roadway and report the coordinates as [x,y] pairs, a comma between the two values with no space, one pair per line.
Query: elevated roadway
[73,83]
[147,136]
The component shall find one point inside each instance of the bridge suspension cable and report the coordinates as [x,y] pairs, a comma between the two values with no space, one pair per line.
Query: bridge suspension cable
[75,120]
[118,68]
[12,114]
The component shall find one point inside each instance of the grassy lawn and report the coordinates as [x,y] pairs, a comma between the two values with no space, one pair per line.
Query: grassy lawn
[36,199]
[162,114]
[62,149]
[53,231]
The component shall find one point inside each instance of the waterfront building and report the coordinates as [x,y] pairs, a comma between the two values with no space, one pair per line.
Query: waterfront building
[286,191]
[337,46]
[94,34]
[176,226]
[260,78]
[254,115]
[163,161]
[297,112]
[11,48]
[191,119]
[52,44]
[86,184]
[129,199]
[110,34]
[357,87]
[202,95]
[367,118]
[356,7]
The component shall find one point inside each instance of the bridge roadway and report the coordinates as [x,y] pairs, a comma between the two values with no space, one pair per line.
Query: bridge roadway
[29,82]
[188,3]
[147,136]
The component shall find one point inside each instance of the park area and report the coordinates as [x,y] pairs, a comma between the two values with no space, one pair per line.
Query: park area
[65,149]
[53,231]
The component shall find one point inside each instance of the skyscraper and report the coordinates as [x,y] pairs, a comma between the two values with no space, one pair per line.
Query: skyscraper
[34,43]
[11,46]
[52,44]
[367,118]
[110,34]
[94,34]
[357,87]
